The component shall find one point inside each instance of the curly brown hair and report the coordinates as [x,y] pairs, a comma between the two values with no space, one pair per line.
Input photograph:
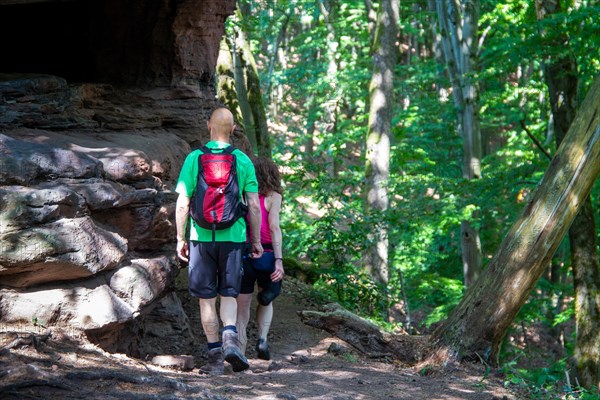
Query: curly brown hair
[267,174]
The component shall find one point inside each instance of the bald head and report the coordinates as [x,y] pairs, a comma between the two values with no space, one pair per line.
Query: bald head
[221,124]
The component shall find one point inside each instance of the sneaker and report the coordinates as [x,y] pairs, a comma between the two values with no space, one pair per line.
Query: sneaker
[215,365]
[232,353]
[262,350]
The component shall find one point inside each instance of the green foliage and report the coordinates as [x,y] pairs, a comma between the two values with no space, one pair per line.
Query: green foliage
[322,155]
[545,383]
[349,357]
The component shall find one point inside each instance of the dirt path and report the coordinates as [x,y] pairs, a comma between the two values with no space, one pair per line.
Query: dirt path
[306,364]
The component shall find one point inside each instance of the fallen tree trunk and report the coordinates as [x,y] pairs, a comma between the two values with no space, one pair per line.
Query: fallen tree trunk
[364,335]
[30,340]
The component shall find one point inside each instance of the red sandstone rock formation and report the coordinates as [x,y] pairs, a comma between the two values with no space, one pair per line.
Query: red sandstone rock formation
[99,105]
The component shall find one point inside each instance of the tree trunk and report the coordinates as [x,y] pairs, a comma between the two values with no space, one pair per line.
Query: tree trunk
[257,129]
[378,136]
[242,90]
[477,325]
[458,23]
[226,89]
[257,105]
[586,275]
[255,97]
[331,107]
[471,129]
[414,51]
[562,82]
[280,37]
[371,18]
[471,253]
[436,50]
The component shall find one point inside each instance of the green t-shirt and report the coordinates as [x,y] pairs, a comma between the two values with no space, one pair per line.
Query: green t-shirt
[186,185]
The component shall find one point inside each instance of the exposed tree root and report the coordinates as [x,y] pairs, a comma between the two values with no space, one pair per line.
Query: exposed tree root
[31,340]
[67,381]
[437,359]
[364,335]
[156,380]
[54,383]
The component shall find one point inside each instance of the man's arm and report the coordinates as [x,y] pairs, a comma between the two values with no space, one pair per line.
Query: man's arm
[255,220]
[182,212]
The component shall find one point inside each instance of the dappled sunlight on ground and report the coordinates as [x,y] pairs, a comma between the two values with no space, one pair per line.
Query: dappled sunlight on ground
[306,363]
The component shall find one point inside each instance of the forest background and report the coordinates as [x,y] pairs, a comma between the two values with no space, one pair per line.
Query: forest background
[452,124]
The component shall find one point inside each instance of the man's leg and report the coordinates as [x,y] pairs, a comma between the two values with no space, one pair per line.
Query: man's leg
[210,325]
[243,316]
[209,319]
[228,310]
[230,281]
[202,276]
[231,344]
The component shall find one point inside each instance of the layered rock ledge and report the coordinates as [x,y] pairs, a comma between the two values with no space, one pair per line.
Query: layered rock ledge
[89,160]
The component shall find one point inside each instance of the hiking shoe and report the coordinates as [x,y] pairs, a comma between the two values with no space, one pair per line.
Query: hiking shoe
[215,365]
[262,350]
[232,353]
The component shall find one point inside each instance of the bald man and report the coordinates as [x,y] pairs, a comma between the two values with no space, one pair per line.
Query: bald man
[215,257]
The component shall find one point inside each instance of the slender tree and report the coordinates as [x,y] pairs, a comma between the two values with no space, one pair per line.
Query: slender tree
[458,25]
[277,52]
[247,80]
[475,328]
[385,55]
[331,108]
[371,17]
[436,47]
[242,90]
[226,86]
[560,71]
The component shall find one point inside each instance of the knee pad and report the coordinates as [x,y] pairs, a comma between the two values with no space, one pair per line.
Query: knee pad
[265,297]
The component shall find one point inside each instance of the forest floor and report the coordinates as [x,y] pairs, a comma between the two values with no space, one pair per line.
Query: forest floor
[303,366]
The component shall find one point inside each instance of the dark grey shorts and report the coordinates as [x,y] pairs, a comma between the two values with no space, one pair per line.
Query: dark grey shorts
[215,268]
[255,272]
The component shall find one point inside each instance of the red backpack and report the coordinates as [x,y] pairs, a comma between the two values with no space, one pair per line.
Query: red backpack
[216,203]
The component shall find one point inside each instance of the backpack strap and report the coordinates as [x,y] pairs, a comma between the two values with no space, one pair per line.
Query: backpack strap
[227,150]
[205,149]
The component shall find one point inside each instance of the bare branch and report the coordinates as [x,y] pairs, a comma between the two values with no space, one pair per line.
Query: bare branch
[535,141]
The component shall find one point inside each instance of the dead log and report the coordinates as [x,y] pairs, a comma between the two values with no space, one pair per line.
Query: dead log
[31,340]
[363,335]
